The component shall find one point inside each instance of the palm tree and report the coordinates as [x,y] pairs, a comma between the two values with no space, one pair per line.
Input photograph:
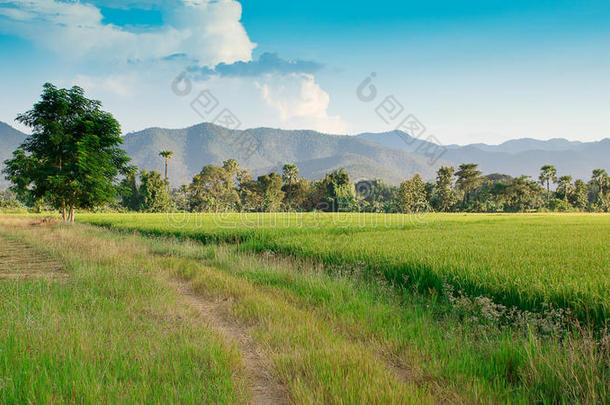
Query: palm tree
[548,173]
[167,155]
[600,177]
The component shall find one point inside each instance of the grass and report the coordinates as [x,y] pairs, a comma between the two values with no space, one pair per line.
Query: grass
[526,261]
[328,336]
[109,333]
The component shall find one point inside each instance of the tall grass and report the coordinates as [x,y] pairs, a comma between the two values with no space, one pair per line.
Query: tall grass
[526,261]
[108,332]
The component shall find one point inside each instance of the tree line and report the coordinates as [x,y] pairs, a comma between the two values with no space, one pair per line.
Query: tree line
[229,187]
[74,160]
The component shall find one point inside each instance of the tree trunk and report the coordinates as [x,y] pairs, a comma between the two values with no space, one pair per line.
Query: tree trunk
[63,211]
[166,169]
[71,216]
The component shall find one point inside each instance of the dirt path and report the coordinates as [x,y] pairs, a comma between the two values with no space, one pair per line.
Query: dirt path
[19,261]
[263,387]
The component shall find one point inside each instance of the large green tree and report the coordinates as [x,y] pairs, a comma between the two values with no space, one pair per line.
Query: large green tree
[270,186]
[443,196]
[412,195]
[335,193]
[73,158]
[468,178]
[152,193]
[213,189]
[295,188]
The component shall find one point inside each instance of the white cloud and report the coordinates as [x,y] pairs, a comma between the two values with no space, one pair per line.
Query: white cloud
[139,94]
[300,102]
[120,85]
[205,30]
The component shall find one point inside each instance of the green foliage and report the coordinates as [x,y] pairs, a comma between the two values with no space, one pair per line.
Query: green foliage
[130,197]
[231,188]
[548,174]
[296,189]
[468,177]
[412,195]
[579,198]
[444,197]
[377,196]
[166,155]
[73,157]
[9,200]
[152,193]
[559,205]
[270,186]
[522,194]
[335,193]
[213,189]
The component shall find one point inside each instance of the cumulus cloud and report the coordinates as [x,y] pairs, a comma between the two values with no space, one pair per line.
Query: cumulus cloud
[208,31]
[300,102]
[267,63]
[132,71]
[120,85]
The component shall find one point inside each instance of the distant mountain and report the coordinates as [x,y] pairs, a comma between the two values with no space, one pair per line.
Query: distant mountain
[391,156]
[265,149]
[10,139]
[514,157]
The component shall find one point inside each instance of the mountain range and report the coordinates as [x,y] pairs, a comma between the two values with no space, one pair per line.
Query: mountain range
[391,156]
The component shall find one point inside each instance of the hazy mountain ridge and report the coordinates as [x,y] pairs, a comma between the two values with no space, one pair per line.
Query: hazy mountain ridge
[514,157]
[391,156]
[265,149]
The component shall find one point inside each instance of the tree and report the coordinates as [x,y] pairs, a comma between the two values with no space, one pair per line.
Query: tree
[152,193]
[601,178]
[167,155]
[564,187]
[73,158]
[130,195]
[412,195]
[335,193]
[377,196]
[290,174]
[213,190]
[180,198]
[443,196]
[270,187]
[522,194]
[468,177]
[295,188]
[580,196]
[9,200]
[548,173]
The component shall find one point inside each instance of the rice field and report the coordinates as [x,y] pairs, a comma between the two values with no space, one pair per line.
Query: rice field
[525,261]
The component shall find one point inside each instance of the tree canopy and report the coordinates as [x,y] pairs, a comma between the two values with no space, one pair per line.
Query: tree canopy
[73,157]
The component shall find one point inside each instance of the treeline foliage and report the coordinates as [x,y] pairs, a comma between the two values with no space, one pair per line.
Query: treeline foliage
[229,187]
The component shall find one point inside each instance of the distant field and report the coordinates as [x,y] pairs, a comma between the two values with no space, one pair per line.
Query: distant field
[520,260]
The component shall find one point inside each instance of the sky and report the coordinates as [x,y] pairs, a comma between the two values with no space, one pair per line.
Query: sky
[464,72]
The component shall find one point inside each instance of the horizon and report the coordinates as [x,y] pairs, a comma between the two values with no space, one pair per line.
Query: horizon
[474,72]
[323,133]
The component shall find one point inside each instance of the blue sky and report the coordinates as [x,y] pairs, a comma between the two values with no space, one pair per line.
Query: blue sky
[469,71]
